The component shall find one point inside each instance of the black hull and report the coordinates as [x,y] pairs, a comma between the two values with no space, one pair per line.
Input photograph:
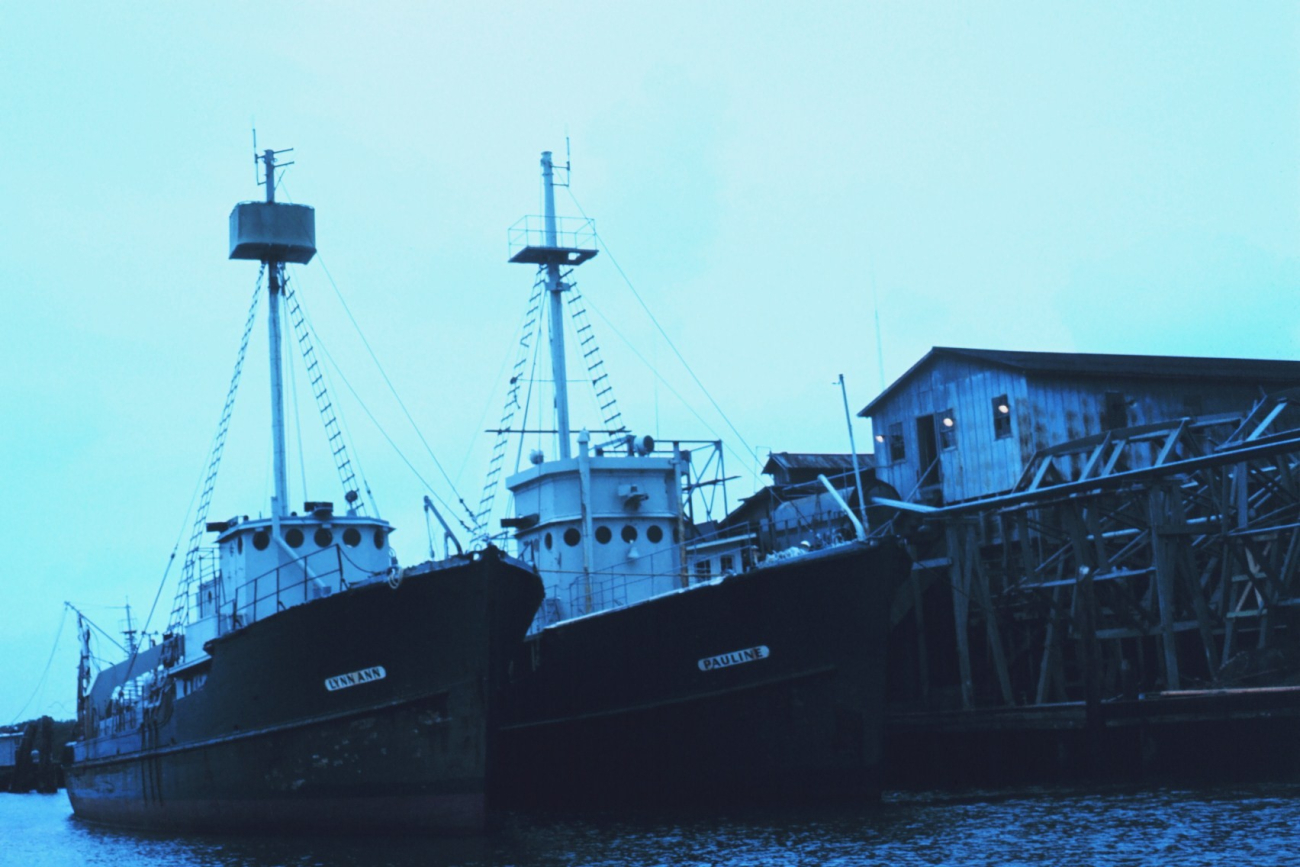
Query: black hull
[264,745]
[615,709]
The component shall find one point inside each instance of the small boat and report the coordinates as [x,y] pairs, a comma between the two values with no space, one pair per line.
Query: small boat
[305,682]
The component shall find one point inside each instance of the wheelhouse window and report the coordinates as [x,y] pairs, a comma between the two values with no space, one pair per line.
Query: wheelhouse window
[1001,417]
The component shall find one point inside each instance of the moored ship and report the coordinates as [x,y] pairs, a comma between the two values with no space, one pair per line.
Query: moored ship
[672,660]
[305,681]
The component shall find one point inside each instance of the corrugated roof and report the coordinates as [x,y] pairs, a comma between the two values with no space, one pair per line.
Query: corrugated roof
[804,461]
[1098,364]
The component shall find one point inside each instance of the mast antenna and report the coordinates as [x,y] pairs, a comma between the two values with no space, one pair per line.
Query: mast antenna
[270,165]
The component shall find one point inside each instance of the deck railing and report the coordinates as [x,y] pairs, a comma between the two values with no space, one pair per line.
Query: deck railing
[312,576]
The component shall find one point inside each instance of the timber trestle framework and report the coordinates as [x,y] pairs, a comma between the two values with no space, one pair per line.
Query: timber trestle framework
[1153,558]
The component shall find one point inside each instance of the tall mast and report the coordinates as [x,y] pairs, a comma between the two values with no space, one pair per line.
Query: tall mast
[274,268]
[554,287]
[274,234]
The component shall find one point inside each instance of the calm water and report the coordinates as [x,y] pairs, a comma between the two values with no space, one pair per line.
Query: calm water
[1256,825]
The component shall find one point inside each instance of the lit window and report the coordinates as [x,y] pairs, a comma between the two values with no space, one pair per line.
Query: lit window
[1001,417]
[947,430]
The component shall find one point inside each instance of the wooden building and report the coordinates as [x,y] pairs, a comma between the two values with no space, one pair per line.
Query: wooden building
[966,423]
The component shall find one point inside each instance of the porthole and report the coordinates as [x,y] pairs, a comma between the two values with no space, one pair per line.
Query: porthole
[324,538]
[293,536]
[549,541]
[629,533]
[261,539]
[654,533]
[603,535]
[352,537]
[572,536]
[379,539]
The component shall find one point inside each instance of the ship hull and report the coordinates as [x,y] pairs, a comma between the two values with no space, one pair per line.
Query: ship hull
[372,710]
[762,687]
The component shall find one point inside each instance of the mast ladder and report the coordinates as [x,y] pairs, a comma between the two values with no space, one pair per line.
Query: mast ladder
[180,604]
[591,357]
[320,390]
[497,464]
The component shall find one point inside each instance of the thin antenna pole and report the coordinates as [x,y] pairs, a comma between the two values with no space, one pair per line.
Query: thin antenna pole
[554,287]
[880,349]
[853,448]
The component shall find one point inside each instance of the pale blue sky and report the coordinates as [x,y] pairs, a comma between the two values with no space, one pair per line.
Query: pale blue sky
[1100,177]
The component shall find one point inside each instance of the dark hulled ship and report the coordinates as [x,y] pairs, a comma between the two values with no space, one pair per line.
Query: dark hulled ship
[674,660]
[305,682]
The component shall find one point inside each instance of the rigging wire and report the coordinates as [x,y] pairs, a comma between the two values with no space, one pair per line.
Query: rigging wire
[660,328]
[297,425]
[207,467]
[384,433]
[40,684]
[528,399]
[387,381]
[500,377]
[667,384]
[340,419]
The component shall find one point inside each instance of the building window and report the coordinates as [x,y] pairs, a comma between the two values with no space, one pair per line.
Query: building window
[1001,417]
[1115,413]
[897,451]
[947,424]
[703,569]
[725,564]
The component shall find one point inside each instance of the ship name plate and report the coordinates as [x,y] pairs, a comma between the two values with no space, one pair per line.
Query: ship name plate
[355,678]
[735,657]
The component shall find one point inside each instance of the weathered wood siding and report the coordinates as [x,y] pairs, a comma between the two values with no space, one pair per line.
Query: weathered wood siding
[1045,410]
[1068,408]
[980,462]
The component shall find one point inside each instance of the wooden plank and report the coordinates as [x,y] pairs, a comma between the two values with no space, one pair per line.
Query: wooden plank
[960,611]
[981,585]
[1165,582]
[1091,658]
[1171,441]
[1051,656]
[922,659]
